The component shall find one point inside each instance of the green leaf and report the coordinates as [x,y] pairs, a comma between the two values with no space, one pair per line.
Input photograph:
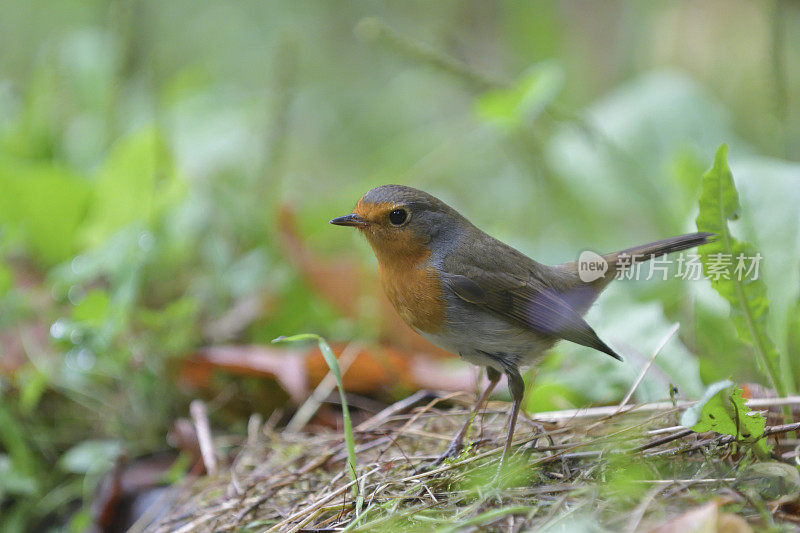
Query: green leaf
[90,456]
[747,295]
[93,309]
[793,335]
[722,409]
[525,99]
[550,395]
[33,383]
[44,205]
[81,521]
[14,482]
[6,279]
[136,182]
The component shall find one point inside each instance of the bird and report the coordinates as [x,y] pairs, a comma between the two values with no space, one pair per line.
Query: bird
[479,298]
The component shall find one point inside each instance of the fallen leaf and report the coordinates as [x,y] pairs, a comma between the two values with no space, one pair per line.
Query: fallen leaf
[731,523]
[286,366]
[131,489]
[704,519]
[373,368]
[299,370]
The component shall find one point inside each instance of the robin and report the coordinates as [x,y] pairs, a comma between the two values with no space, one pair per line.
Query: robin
[477,297]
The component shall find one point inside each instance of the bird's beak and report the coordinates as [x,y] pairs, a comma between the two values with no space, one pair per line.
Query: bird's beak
[349,220]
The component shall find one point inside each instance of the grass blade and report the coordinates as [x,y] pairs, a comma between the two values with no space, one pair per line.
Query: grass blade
[333,364]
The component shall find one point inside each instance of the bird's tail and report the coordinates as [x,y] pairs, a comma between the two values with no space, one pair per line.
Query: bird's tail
[580,293]
[645,252]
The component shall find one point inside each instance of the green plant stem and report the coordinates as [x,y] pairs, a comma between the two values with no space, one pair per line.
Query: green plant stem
[778,63]
[375,30]
[333,364]
[748,317]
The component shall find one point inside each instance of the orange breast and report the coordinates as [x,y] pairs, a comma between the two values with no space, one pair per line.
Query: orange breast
[414,289]
[416,293]
[417,296]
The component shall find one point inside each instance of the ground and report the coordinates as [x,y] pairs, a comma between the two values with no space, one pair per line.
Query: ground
[602,469]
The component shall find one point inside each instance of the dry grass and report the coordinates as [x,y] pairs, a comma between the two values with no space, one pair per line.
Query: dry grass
[601,470]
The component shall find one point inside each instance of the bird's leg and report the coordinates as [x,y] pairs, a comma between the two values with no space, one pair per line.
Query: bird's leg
[458,441]
[516,386]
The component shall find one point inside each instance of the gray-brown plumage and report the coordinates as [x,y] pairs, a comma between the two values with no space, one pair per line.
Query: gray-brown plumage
[475,296]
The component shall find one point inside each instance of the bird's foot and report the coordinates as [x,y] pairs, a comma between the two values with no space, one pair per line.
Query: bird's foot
[452,451]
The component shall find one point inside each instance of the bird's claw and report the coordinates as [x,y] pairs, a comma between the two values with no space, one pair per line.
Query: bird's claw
[453,450]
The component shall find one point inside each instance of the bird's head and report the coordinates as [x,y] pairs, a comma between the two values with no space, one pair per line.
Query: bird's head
[400,222]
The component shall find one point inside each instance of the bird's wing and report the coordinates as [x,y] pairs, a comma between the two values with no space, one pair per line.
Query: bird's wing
[528,303]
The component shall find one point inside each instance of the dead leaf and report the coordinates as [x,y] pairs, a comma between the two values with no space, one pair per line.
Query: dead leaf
[373,369]
[704,519]
[731,523]
[131,489]
[286,366]
[298,371]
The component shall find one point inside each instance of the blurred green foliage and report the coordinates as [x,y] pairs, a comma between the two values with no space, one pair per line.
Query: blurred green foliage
[145,147]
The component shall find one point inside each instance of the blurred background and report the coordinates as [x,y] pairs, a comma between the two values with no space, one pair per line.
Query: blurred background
[167,171]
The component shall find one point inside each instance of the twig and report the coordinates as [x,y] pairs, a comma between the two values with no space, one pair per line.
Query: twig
[647,365]
[663,440]
[425,409]
[372,29]
[395,408]
[596,412]
[661,431]
[771,430]
[685,481]
[774,430]
[726,439]
[641,509]
[200,418]
[306,495]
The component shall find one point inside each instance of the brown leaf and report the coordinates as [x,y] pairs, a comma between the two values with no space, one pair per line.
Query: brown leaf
[285,365]
[373,369]
[297,371]
[704,519]
[731,523]
[129,490]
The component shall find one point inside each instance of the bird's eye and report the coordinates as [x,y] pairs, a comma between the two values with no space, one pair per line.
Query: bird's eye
[398,216]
